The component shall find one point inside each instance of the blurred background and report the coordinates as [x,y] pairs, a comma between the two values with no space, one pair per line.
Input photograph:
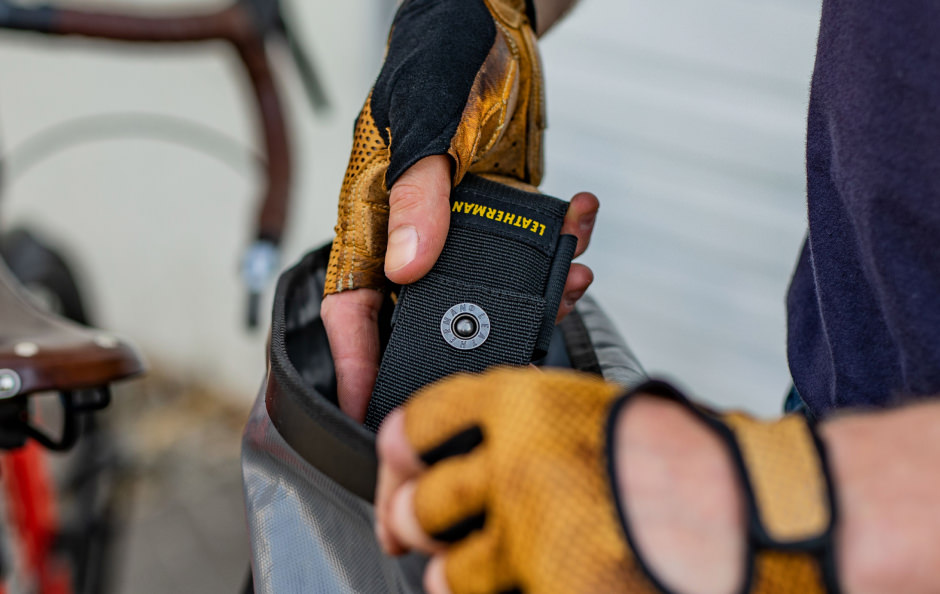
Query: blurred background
[685,117]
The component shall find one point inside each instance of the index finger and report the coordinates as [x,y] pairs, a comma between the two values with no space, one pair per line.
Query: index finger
[351,322]
[579,220]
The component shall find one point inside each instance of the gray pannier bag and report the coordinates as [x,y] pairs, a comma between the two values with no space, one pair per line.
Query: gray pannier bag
[309,471]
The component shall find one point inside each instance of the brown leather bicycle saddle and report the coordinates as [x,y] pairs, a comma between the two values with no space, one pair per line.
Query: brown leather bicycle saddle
[49,353]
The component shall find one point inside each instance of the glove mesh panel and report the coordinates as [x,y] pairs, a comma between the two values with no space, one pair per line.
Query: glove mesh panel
[786,476]
[777,572]
[358,256]
[545,481]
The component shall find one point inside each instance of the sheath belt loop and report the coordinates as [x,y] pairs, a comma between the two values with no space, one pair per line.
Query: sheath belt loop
[491,298]
[554,289]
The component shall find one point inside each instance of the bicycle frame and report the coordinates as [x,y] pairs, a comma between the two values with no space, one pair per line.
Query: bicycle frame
[33,518]
[236,25]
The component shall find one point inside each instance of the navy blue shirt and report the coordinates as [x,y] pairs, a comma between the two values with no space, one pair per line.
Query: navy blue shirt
[864,302]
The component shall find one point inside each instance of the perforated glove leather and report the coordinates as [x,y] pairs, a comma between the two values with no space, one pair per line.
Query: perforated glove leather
[461,78]
[519,483]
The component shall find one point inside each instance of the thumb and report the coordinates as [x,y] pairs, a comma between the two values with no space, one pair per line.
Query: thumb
[418,219]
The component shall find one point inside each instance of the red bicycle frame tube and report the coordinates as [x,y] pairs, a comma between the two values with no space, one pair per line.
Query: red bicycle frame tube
[32,516]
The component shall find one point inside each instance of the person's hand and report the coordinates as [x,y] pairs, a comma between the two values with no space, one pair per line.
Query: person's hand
[508,480]
[539,480]
[460,91]
[491,473]
[420,205]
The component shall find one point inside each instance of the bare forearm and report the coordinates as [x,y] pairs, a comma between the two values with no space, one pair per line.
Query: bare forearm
[884,468]
[886,487]
[549,12]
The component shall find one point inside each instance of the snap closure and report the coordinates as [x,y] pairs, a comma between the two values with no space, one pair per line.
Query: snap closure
[465,326]
[10,383]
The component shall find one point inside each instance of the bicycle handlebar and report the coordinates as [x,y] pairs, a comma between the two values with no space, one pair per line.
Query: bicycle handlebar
[233,24]
[237,24]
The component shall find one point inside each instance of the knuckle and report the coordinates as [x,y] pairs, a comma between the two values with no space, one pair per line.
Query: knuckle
[328,307]
[406,196]
[348,306]
[390,442]
[384,442]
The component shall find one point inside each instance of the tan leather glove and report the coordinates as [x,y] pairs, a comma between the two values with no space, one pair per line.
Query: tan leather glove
[462,78]
[519,482]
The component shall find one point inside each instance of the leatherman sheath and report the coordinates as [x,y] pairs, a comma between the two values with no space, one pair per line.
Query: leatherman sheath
[491,298]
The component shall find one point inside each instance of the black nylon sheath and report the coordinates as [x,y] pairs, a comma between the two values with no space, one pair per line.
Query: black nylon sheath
[503,255]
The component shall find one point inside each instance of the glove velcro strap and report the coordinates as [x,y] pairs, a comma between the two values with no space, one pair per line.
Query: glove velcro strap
[785,477]
[783,467]
[502,271]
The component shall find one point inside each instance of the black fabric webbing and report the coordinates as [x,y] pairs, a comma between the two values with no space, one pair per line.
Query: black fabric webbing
[504,255]
[554,290]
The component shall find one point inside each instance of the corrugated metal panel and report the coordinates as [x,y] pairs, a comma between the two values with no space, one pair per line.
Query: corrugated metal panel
[687,118]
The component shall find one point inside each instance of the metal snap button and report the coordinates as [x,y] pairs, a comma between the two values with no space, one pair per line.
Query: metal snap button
[465,326]
[10,383]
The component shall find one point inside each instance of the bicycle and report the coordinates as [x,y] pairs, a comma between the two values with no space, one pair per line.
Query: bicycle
[40,351]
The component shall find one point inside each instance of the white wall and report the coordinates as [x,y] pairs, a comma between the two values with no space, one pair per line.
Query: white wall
[685,116]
